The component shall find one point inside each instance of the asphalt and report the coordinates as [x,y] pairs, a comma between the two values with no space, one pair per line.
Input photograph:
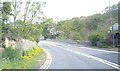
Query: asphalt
[70,56]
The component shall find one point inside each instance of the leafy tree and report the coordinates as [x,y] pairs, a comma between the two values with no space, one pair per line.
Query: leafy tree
[95,37]
[6,11]
[45,32]
[29,31]
[28,28]
[65,27]
[77,24]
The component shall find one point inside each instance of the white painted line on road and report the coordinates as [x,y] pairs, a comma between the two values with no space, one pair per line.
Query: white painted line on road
[99,50]
[91,48]
[96,58]
[114,65]
[100,60]
[48,61]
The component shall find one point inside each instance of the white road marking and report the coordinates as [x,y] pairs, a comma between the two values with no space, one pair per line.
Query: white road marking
[91,48]
[99,50]
[48,61]
[100,60]
[90,56]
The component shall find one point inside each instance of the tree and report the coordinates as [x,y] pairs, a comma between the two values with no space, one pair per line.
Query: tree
[33,10]
[95,37]
[16,10]
[119,21]
[77,24]
[29,31]
[45,32]
[6,12]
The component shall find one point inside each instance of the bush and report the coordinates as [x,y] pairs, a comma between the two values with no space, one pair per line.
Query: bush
[75,35]
[28,54]
[102,44]
[28,61]
[11,54]
[95,37]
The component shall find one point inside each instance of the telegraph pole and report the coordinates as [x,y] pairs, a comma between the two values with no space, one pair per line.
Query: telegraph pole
[110,22]
[119,22]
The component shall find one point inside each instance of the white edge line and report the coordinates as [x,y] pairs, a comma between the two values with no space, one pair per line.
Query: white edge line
[100,60]
[100,50]
[94,49]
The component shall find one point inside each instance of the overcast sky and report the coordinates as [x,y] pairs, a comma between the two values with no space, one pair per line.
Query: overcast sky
[64,9]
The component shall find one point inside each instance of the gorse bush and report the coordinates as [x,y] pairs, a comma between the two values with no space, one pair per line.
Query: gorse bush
[95,37]
[28,54]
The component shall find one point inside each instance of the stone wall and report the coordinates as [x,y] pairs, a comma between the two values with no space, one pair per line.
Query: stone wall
[26,44]
[21,43]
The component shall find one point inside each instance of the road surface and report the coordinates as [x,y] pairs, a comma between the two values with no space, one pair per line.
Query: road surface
[69,56]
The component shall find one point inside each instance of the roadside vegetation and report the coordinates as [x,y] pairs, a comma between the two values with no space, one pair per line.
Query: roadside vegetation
[94,28]
[17,22]
[27,59]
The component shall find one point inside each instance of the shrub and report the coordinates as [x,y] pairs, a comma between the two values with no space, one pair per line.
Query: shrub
[28,54]
[28,61]
[102,44]
[95,37]
[75,35]
[11,54]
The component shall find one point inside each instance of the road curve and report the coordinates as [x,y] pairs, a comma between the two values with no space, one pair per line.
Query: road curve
[69,56]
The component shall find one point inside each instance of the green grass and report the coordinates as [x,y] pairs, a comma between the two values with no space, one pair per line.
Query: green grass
[109,48]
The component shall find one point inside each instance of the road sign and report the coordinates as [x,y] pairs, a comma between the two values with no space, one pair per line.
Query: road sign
[115,26]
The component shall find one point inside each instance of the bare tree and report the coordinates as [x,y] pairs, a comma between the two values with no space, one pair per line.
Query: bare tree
[16,9]
[33,10]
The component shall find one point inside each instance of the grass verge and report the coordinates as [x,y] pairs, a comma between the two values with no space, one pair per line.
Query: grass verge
[109,48]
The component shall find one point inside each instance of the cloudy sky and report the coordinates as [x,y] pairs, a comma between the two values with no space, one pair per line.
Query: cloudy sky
[64,9]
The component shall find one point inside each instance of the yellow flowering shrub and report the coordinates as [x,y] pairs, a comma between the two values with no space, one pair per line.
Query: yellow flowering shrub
[29,54]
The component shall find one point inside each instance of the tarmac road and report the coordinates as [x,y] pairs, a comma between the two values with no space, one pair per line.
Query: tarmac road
[69,56]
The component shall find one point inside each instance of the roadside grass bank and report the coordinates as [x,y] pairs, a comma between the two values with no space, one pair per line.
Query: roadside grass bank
[27,59]
[109,48]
